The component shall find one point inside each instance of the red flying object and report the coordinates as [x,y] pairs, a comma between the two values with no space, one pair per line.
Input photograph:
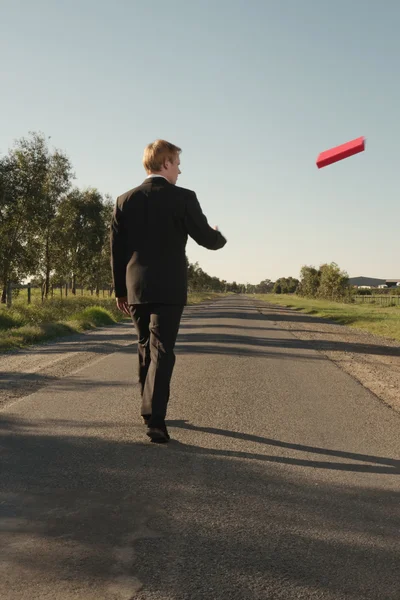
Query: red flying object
[340,152]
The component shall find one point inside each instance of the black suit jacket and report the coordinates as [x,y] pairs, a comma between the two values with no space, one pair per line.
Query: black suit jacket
[149,233]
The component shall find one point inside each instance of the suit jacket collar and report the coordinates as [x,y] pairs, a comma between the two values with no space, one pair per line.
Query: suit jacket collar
[158,178]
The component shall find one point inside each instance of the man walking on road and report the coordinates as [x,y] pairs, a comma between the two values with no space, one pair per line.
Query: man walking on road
[149,233]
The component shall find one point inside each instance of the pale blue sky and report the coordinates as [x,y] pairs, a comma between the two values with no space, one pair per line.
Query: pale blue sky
[252,90]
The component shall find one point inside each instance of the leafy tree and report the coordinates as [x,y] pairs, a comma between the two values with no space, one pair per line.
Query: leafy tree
[22,172]
[264,286]
[82,231]
[32,181]
[309,281]
[56,184]
[285,285]
[326,282]
[334,283]
[99,276]
[292,285]
[233,287]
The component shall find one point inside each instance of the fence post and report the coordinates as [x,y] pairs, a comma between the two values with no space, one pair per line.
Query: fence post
[9,294]
[29,293]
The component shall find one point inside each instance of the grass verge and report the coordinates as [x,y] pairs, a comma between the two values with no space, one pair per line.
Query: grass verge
[384,321]
[27,324]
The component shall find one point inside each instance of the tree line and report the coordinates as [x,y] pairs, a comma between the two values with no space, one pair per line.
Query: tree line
[326,282]
[50,230]
[55,233]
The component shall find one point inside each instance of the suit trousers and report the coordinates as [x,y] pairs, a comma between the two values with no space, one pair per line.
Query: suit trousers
[157,327]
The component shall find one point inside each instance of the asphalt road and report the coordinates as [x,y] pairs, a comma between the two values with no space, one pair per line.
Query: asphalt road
[281,480]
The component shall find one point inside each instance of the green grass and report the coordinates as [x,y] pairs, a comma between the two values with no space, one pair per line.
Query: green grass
[384,321]
[26,324]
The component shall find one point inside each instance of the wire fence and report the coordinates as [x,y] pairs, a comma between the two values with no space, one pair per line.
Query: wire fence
[29,292]
[382,300]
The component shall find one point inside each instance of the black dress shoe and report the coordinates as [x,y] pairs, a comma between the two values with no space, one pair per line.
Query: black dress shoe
[158,435]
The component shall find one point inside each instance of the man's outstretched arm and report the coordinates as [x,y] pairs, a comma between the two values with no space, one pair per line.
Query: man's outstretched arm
[198,228]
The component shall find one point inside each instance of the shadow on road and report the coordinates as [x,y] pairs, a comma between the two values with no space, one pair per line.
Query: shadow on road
[222,343]
[250,318]
[380,464]
[201,524]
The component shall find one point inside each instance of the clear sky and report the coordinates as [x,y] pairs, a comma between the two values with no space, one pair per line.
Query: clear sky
[252,90]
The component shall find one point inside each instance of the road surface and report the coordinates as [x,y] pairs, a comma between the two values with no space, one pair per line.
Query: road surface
[281,480]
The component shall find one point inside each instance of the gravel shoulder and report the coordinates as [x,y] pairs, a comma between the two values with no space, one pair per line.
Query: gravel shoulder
[23,372]
[372,360]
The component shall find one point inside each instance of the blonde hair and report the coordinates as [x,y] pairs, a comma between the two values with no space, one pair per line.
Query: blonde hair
[156,153]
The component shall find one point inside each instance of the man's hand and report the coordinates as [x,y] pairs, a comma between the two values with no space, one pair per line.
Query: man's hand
[122,304]
[217,229]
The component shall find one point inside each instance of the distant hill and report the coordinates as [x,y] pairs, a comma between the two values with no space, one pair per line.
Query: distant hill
[372,281]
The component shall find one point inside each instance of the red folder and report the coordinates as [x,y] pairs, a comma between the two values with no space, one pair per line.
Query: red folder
[340,152]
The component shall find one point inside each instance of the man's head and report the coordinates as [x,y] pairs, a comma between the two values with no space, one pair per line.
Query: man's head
[162,158]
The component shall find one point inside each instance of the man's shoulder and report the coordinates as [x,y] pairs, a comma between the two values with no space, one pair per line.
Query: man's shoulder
[175,190]
[126,195]
[184,191]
